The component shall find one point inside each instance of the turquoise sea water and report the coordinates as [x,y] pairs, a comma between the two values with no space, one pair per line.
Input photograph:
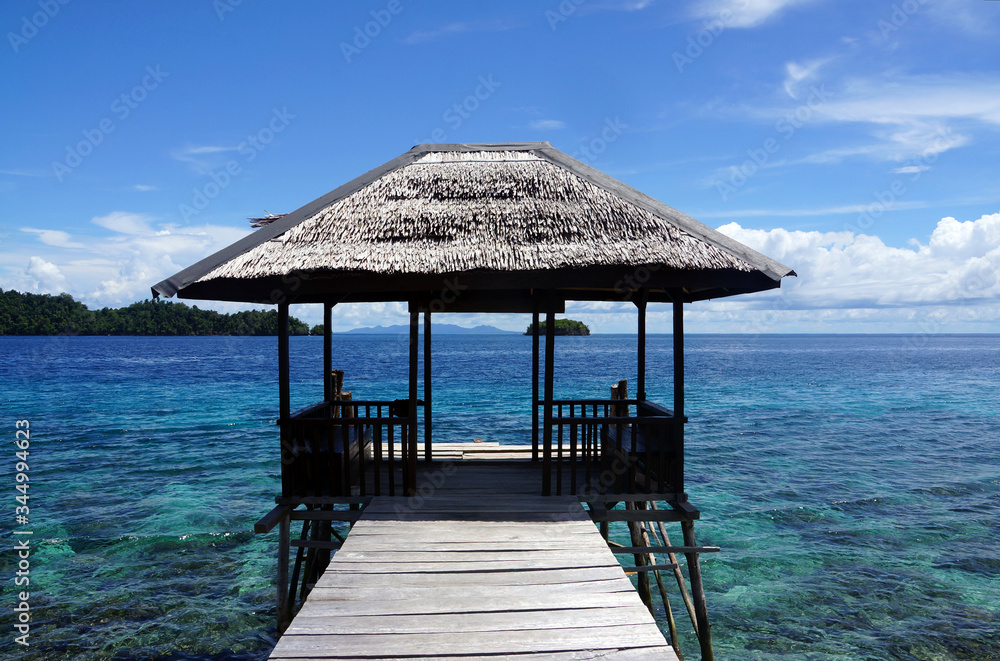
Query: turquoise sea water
[852,481]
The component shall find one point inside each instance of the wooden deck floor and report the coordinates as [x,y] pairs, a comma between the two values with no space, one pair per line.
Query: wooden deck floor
[480,567]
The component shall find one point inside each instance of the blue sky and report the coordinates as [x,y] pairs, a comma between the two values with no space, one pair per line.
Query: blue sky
[856,141]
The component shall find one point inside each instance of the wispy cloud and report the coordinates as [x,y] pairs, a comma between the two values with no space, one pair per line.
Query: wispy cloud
[57,238]
[143,188]
[820,211]
[457,28]
[799,73]
[27,173]
[547,124]
[125,223]
[743,13]
[203,159]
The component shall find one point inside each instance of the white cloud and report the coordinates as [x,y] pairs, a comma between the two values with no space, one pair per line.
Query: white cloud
[121,266]
[44,277]
[911,169]
[547,124]
[796,73]
[125,223]
[56,238]
[202,159]
[455,28]
[143,188]
[838,270]
[743,13]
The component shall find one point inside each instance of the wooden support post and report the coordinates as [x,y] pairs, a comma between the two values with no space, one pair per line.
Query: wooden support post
[698,593]
[284,398]
[640,392]
[550,334]
[284,611]
[284,401]
[677,478]
[642,579]
[534,378]
[427,385]
[410,451]
[328,386]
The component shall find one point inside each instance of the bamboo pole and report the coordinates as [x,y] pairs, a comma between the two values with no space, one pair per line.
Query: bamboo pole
[698,593]
[671,625]
[678,575]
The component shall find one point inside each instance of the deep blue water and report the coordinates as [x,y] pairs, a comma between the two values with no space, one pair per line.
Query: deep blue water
[852,481]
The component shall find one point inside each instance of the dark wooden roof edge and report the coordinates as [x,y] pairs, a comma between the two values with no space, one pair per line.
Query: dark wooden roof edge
[699,230]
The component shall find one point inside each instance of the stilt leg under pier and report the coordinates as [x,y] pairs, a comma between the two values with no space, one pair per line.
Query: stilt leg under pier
[284,544]
[698,593]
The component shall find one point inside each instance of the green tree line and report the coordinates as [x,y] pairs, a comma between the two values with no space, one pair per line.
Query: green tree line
[563,327]
[45,314]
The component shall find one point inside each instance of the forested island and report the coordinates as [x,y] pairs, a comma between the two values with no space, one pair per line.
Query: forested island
[563,327]
[45,314]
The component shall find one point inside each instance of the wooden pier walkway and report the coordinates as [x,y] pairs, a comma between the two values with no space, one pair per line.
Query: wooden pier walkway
[477,567]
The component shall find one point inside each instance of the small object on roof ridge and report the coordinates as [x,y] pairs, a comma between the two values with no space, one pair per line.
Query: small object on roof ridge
[257,223]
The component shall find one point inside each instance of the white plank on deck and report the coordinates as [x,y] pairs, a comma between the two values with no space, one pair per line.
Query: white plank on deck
[480,568]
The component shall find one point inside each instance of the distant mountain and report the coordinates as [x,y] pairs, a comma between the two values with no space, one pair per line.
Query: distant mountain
[437,329]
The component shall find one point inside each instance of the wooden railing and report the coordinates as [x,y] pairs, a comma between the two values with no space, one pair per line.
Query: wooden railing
[612,446]
[330,448]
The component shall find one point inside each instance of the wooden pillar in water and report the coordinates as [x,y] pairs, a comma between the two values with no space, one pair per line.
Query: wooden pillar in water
[550,334]
[410,451]
[534,378]
[640,392]
[427,385]
[328,384]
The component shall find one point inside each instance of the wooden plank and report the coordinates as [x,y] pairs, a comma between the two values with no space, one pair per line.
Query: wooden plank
[660,653]
[414,601]
[307,623]
[356,577]
[502,642]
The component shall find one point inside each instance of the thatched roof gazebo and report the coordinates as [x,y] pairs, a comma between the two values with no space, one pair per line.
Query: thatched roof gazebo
[512,227]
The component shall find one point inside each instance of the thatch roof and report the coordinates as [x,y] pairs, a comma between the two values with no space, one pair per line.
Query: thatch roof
[501,218]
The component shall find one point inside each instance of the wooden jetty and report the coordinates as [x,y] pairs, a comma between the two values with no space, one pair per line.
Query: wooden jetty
[479,228]
[483,567]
